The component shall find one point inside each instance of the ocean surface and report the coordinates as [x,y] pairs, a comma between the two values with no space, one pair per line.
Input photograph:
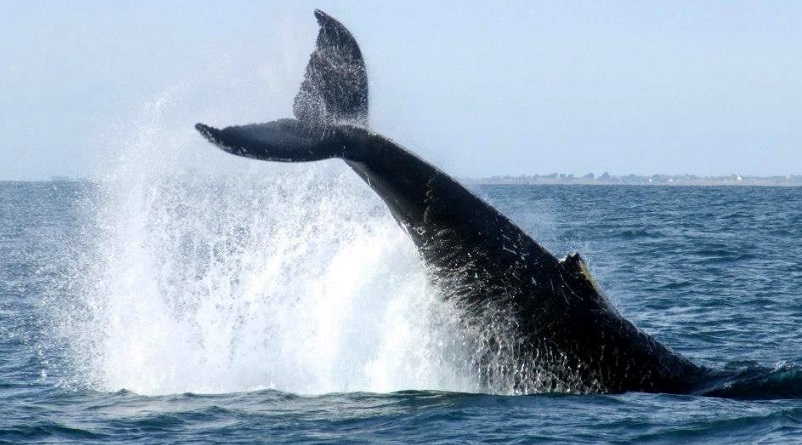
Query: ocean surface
[285,306]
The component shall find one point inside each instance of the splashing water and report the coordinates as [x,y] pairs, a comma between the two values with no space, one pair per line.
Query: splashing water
[291,277]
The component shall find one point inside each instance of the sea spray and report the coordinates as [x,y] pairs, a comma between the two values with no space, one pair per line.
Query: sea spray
[292,277]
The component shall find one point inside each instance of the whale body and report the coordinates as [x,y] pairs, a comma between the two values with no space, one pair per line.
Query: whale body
[543,323]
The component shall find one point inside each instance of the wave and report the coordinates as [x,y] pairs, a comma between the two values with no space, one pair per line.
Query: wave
[753,382]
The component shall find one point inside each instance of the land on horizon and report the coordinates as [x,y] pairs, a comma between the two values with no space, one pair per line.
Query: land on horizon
[632,179]
[587,179]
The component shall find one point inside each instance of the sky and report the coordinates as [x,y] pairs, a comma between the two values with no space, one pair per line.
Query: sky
[478,88]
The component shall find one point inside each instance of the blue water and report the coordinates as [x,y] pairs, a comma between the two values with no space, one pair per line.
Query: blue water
[169,311]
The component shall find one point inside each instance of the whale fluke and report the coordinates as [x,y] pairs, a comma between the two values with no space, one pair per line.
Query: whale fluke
[335,87]
[284,140]
[334,92]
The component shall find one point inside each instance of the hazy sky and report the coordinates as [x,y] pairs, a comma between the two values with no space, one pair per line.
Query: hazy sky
[479,88]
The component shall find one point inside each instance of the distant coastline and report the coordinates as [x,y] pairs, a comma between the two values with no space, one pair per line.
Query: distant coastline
[645,180]
[589,179]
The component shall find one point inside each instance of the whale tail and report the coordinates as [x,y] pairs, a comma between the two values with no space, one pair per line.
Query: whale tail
[335,87]
[334,92]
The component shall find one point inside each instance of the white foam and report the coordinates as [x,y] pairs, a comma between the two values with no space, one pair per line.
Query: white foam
[293,277]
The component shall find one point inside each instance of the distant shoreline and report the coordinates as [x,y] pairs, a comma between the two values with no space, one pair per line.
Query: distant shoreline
[652,180]
[567,179]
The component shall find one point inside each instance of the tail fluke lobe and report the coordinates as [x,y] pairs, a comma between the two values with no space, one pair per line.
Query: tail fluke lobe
[334,92]
[284,140]
[335,86]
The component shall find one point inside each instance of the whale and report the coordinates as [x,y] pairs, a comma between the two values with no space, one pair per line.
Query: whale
[538,323]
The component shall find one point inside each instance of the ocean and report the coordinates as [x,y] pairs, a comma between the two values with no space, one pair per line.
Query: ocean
[286,306]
